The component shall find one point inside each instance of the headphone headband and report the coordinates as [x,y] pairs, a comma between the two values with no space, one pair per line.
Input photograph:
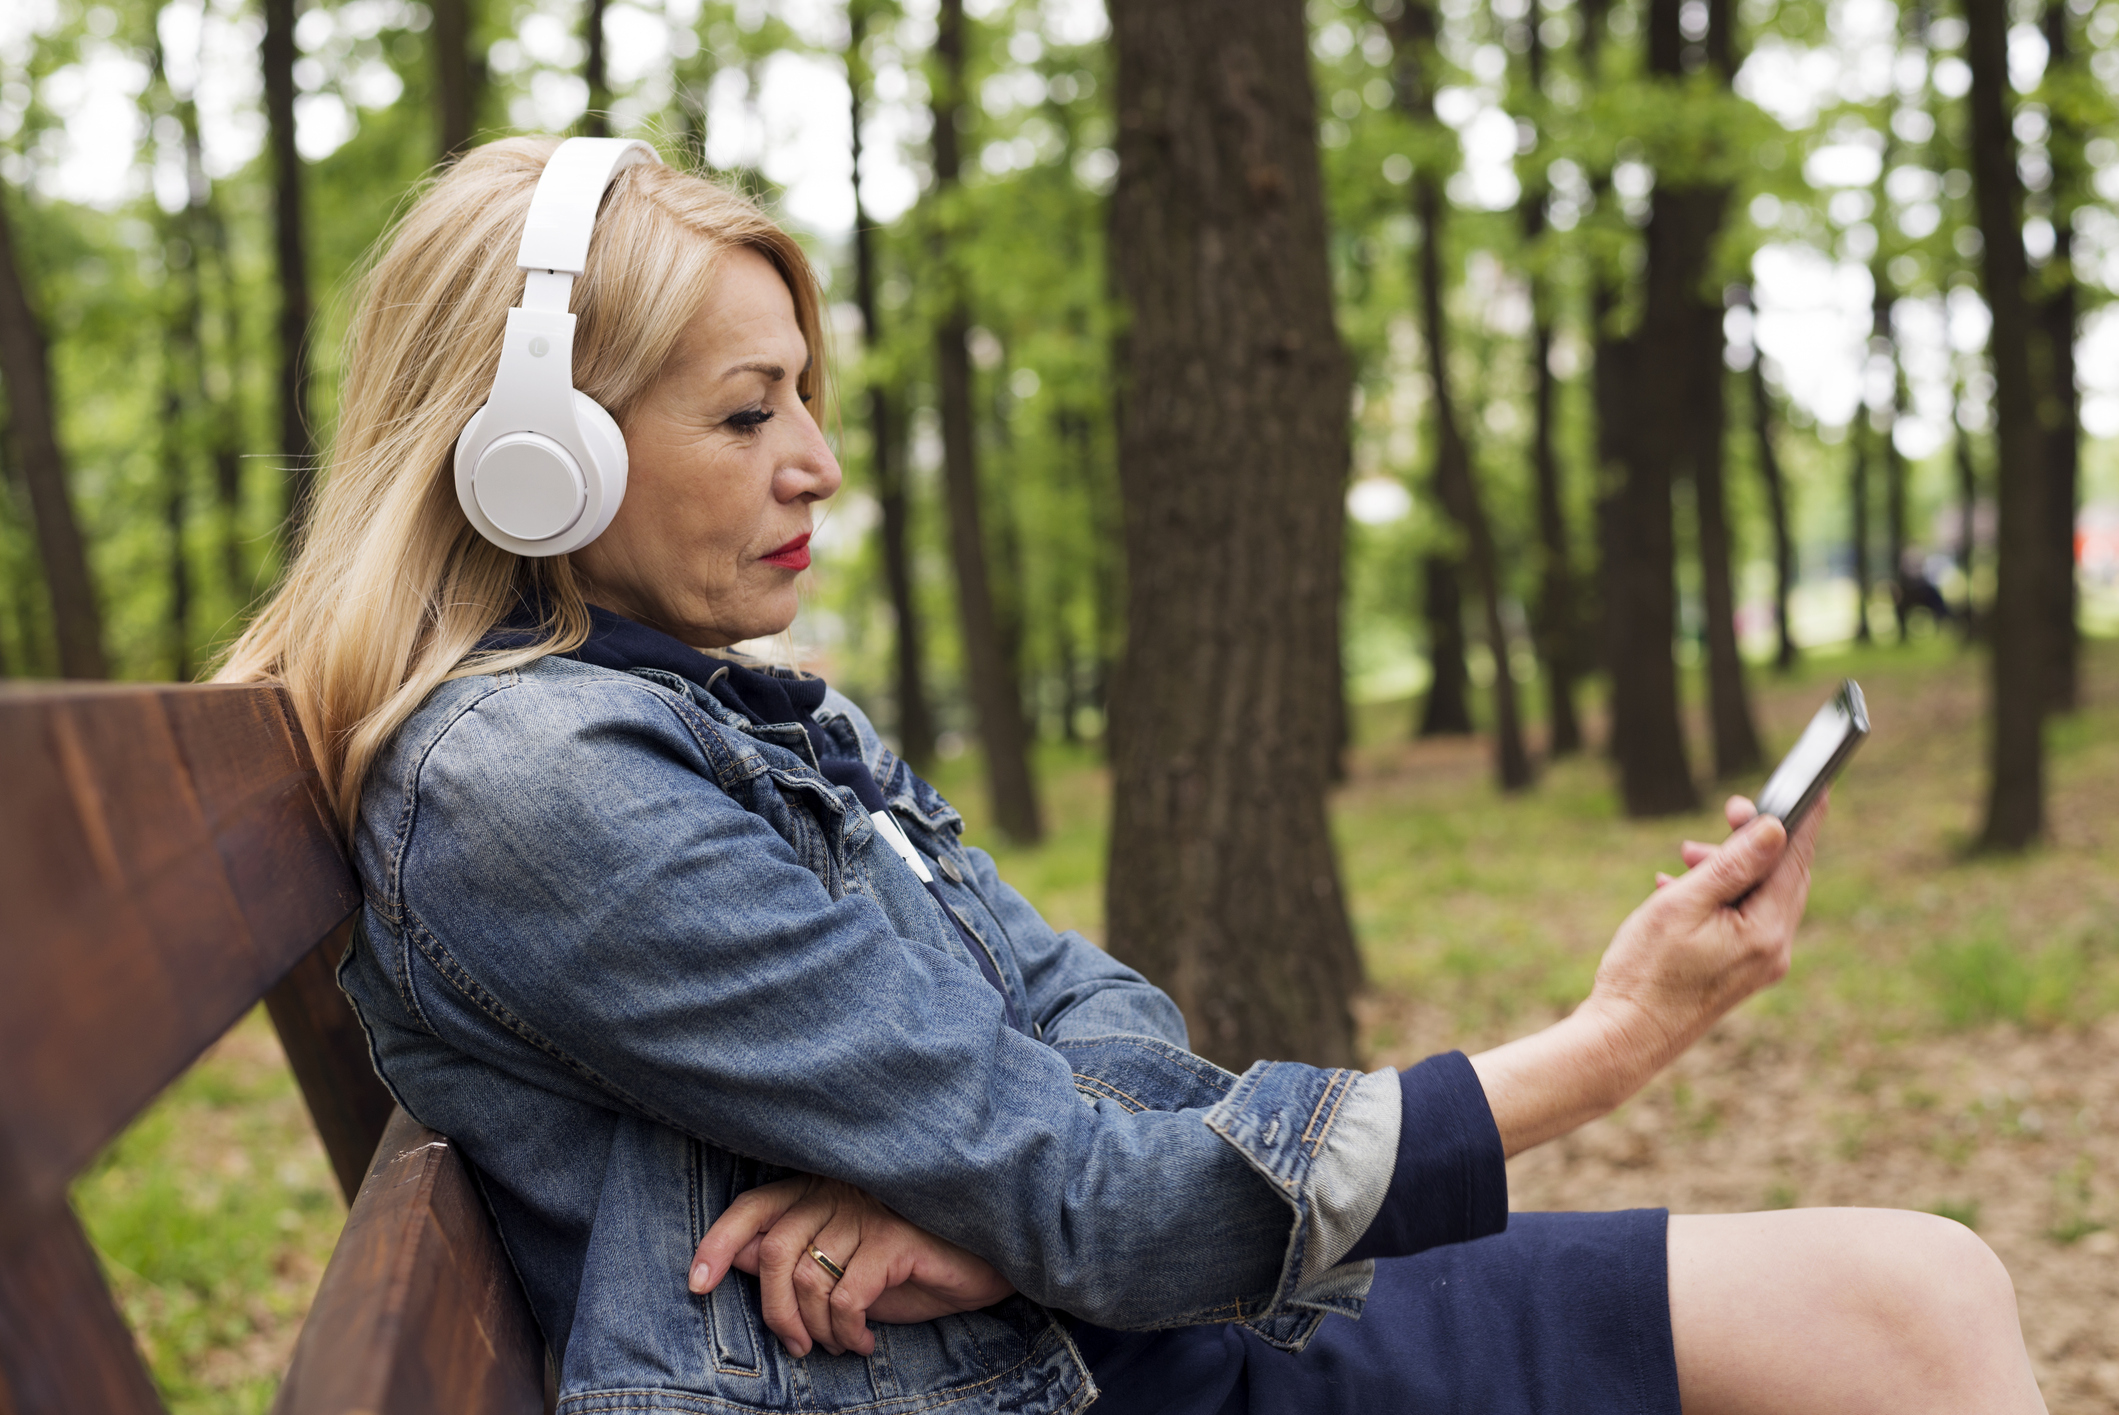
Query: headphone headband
[563,209]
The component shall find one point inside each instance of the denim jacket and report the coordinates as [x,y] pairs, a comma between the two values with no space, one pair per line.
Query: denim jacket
[635,955]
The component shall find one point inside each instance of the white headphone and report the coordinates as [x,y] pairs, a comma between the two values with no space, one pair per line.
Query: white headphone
[540,468]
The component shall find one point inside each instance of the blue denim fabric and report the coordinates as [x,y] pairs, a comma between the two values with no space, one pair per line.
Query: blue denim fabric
[637,956]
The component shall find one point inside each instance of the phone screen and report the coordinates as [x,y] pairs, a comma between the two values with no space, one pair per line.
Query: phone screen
[1818,755]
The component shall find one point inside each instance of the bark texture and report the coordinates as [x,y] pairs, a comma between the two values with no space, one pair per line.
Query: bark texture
[297,450]
[995,695]
[2020,618]
[32,425]
[886,438]
[1233,450]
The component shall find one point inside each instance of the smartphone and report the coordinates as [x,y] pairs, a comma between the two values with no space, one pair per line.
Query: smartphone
[1817,756]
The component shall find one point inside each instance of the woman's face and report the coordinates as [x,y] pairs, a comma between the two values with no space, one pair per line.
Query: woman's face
[726,462]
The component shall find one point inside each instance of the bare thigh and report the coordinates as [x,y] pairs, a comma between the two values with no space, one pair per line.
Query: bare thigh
[1843,1310]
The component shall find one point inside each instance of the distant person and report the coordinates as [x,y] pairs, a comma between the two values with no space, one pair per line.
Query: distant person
[1916,588]
[705,983]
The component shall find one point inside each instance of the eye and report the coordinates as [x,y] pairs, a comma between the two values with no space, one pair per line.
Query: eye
[750,419]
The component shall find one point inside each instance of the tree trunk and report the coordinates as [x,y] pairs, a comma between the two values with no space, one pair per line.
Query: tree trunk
[1895,529]
[1233,452]
[1413,33]
[1968,502]
[1769,467]
[184,413]
[297,450]
[995,696]
[1644,381]
[1736,747]
[208,235]
[886,439]
[455,89]
[176,478]
[2060,412]
[596,122]
[1883,338]
[1558,615]
[2021,615]
[1447,711]
[25,368]
[1859,435]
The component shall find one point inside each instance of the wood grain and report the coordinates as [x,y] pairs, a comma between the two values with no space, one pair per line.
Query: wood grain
[166,858]
[64,1349]
[420,1310]
[328,1054]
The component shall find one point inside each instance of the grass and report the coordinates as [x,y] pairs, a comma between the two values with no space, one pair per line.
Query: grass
[214,1215]
[1495,910]
[1479,916]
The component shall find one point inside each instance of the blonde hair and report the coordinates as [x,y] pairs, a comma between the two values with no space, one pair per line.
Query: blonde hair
[391,589]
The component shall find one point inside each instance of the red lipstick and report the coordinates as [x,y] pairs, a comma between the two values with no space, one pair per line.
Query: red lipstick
[792,556]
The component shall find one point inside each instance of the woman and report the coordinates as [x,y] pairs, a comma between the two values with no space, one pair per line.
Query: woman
[742,1039]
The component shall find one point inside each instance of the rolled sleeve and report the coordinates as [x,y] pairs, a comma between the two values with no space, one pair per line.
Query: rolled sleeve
[1449,1183]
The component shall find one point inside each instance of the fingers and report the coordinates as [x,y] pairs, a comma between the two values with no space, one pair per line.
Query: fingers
[872,1271]
[739,1227]
[1692,852]
[1781,898]
[1739,811]
[781,1256]
[1731,870]
[815,1287]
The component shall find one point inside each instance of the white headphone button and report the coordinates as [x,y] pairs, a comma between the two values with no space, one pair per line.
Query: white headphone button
[529,487]
[540,346]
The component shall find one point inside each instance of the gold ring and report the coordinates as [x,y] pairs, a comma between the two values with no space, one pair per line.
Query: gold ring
[838,1274]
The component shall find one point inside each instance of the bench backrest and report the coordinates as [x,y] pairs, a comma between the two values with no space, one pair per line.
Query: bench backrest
[166,860]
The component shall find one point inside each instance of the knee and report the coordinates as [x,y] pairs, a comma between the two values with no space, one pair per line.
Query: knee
[1938,1289]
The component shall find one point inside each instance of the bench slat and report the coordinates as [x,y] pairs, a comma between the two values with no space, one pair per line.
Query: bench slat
[329,1057]
[64,1349]
[168,852]
[419,1310]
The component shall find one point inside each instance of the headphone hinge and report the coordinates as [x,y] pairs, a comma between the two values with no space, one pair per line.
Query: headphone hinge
[547,290]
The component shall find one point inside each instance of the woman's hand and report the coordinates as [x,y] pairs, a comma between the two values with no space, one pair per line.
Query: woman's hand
[895,1272]
[1699,945]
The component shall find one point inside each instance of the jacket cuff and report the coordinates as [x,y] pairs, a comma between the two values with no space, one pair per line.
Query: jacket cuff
[1451,1180]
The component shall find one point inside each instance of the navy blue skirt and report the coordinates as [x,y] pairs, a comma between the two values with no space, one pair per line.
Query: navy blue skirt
[1560,1313]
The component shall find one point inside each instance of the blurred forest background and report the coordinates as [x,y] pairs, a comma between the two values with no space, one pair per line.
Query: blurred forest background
[1702,353]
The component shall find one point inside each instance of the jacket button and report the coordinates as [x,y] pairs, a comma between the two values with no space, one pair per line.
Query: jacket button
[956,876]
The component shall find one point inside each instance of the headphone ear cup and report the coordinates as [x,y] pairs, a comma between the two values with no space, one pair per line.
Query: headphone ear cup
[606,470]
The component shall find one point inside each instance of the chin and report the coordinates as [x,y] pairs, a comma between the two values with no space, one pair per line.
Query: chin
[766,625]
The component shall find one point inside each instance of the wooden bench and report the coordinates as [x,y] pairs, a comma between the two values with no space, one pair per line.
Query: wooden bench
[166,860]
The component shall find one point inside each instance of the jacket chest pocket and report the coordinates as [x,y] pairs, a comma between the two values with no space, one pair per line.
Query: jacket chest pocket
[732,1341]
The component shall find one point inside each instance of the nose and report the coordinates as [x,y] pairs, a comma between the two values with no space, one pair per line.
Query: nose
[811,472]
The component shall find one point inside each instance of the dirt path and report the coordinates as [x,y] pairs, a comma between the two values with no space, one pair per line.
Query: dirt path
[2014,1132]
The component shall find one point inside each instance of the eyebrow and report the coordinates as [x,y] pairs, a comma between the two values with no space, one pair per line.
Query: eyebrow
[773,372]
